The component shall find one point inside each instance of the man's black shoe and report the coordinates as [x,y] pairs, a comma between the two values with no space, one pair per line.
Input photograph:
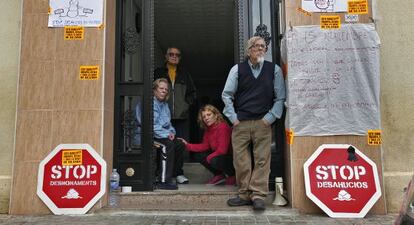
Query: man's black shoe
[259,204]
[237,201]
[167,186]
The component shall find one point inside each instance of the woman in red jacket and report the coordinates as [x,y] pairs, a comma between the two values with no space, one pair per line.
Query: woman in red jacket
[214,152]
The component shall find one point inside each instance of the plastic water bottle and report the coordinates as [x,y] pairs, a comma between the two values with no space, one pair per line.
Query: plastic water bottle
[114,180]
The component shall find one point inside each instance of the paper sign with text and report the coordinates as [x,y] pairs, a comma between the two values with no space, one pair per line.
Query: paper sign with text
[89,73]
[74,33]
[85,13]
[351,18]
[71,157]
[304,11]
[324,6]
[358,7]
[374,137]
[330,22]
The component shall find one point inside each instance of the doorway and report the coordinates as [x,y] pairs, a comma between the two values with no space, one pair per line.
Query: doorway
[203,31]
[210,35]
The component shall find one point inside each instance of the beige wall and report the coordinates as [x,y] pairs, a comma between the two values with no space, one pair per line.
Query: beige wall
[54,105]
[396,30]
[9,61]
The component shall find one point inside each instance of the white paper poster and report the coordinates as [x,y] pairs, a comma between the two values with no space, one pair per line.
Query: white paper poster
[333,80]
[86,13]
[325,5]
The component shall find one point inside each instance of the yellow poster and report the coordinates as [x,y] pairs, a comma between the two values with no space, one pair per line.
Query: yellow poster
[74,33]
[358,7]
[289,136]
[71,157]
[374,137]
[330,22]
[89,73]
[303,11]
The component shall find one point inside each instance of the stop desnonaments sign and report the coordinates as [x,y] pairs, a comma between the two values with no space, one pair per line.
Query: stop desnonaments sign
[71,179]
[342,181]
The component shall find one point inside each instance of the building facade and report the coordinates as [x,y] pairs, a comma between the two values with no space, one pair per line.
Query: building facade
[44,103]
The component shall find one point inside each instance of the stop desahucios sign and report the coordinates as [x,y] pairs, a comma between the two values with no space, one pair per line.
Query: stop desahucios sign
[342,181]
[71,179]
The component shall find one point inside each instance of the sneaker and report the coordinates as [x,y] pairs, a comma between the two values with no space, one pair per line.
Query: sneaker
[181,179]
[218,179]
[237,201]
[259,204]
[231,180]
[167,186]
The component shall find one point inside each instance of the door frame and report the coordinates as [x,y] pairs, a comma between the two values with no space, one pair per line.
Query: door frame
[142,160]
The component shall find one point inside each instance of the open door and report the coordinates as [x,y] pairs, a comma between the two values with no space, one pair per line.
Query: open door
[133,151]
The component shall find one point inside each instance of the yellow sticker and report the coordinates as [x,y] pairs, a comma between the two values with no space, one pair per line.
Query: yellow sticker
[89,73]
[74,33]
[101,26]
[303,11]
[289,136]
[358,7]
[374,137]
[49,10]
[71,157]
[330,22]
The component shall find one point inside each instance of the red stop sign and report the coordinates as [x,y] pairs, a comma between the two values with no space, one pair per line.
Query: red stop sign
[71,179]
[342,188]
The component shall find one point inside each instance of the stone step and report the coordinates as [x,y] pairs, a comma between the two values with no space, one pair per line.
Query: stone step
[188,197]
[196,173]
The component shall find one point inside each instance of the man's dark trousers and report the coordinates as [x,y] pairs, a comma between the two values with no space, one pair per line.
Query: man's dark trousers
[174,159]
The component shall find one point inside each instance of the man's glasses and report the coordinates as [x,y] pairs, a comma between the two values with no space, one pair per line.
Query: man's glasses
[256,46]
[172,54]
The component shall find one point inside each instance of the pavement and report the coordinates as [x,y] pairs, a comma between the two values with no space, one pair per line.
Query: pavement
[124,217]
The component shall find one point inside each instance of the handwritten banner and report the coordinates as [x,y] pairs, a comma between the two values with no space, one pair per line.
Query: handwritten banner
[358,7]
[330,22]
[333,80]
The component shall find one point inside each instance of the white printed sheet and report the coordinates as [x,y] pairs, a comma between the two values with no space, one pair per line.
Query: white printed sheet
[325,5]
[85,13]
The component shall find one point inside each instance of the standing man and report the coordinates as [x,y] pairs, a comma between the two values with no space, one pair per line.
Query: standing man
[253,95]
[164,133]
[182,90]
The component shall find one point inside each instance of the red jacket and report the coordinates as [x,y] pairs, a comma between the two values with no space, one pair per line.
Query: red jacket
[216,138]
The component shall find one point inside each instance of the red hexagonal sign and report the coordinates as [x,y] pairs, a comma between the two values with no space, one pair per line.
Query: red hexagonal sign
[342,181]
[71,179]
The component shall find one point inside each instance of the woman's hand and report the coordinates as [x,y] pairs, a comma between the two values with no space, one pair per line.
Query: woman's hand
[182,139]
